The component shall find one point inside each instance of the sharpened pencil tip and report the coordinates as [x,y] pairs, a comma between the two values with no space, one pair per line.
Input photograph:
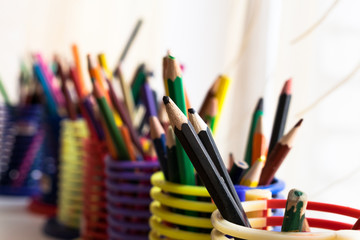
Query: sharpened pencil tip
[287,87]
[260,105]
[298,124]
[166,99]
[191,111]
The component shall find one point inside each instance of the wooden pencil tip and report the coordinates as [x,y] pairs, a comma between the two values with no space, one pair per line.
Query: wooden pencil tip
[298,124]
[97,91]
[191,111]
[287,89]
[166,99]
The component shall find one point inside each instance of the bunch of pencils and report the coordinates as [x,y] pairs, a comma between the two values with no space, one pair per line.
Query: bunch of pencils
[261,161]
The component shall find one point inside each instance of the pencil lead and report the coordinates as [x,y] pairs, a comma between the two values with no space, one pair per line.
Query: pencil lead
[287,87]
[260,105]
[166,99]
[191,110]
[298,124]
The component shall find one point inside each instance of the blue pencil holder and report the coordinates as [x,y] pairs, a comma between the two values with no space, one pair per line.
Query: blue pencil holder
[20,174]
[276,187]
[46,201]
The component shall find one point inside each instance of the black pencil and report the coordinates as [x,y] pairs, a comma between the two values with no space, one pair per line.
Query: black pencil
[157,134]
[207,140]
[207,171]
[172,164]
[281,115]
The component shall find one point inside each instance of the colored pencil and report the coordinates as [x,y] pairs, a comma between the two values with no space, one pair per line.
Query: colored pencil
[50,101]
[252,176]
[130,40]
[258,112]
[204,166]
[174,80]
[172,163]
[116,137]
[103,63]
[149,100]
[138,80]
[70,108]
[294,211]
[157,134]
[259,148]
[231,161]
[120,108]
[221,96]
[86,108]
[128,143]
[126,91]
[258,194]
[80,84]
[278,155]
[207,140]
[211,112]
[210,94]
[281,115]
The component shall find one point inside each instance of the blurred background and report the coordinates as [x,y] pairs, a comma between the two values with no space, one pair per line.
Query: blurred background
[259,44]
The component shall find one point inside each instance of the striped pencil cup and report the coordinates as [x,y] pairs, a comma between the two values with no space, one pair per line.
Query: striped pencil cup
[165,222]
[94,225]
[332,230]
[128,199]
[45,202]
[66,224]
[20,175]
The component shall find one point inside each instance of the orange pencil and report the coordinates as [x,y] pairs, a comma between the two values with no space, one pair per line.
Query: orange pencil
[128,143]
[259,142]
[81,87]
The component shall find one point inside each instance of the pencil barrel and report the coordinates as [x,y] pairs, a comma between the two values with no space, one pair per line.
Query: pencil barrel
[128,199]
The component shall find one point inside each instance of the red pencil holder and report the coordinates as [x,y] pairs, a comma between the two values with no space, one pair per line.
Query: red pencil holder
[128,199]
[94,224]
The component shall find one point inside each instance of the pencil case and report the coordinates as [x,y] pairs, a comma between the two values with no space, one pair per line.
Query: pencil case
[94,224]
[128,199]
[22,151]
[333,229]
[46,201]
[66,224]
[165,222]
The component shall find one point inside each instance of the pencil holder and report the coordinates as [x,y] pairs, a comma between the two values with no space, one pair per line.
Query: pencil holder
[46,201]
[338,230]
[128,199]
[94,224]
[165,222]
[66,224]
[276,187]
[20,173]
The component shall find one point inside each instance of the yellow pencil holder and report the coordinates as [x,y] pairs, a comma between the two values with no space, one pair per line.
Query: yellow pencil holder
[165,222]
[70,198]
[71,176]
[338,230]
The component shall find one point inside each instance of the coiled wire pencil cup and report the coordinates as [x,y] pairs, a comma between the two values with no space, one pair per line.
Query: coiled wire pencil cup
[95,213]
[20,174]
[164,222]
[340,230]
[45,203]
[128,199]
[70,196]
